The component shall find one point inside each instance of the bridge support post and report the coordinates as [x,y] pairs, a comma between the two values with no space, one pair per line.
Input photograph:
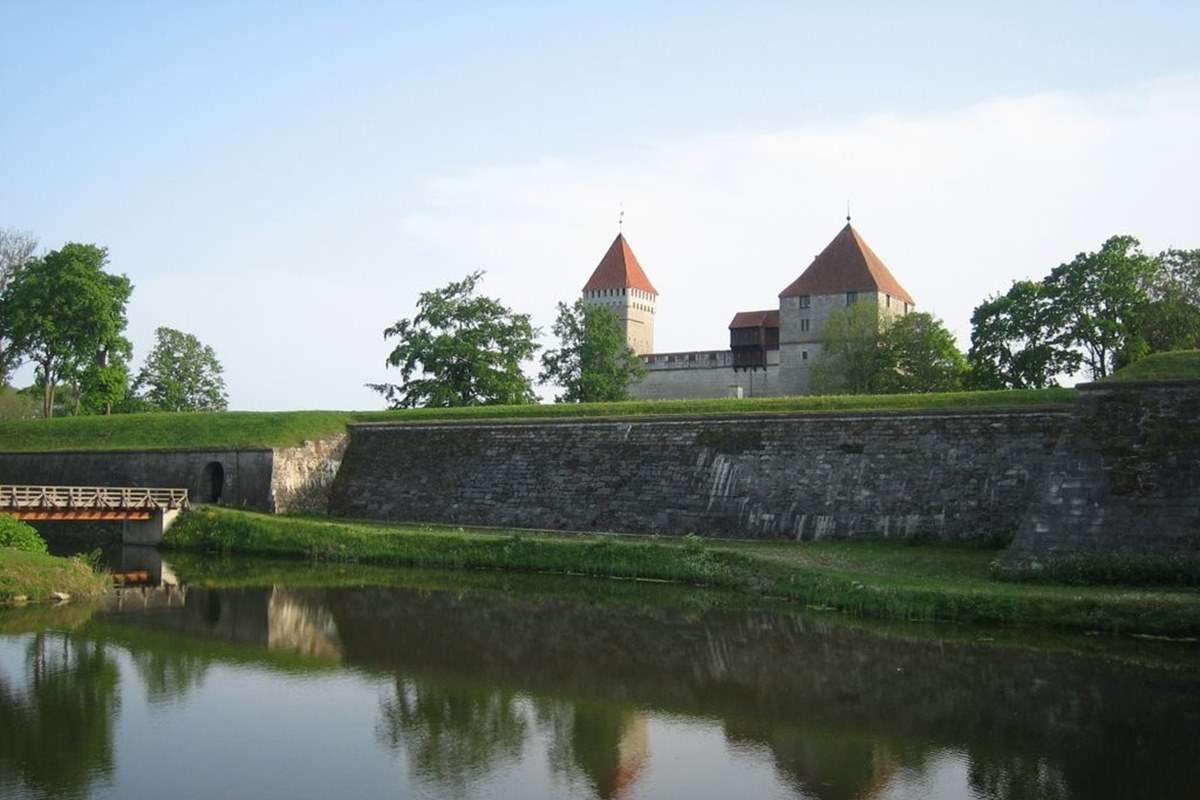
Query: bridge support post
[148,531]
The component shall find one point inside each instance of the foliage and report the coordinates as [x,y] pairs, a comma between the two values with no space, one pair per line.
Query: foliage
[1173,365]
[65,313]
[16,248]
[468,350]
[1171,318]
[850,359]
[1098,298]
[20,535]
[593,362]
[181,374]
[868,352]
[16,404]
[1014,341]
[234,429]
[918,354]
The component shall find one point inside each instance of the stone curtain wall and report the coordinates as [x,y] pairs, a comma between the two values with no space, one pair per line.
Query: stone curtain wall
[1122,490]
[950,476]
[247,473]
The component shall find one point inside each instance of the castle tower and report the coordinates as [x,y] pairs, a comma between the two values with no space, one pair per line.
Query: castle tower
[618,283]
[847,271]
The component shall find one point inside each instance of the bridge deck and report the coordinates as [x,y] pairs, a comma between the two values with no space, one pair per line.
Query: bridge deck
[89,502]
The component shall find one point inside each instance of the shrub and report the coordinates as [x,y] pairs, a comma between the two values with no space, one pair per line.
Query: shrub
[20,536]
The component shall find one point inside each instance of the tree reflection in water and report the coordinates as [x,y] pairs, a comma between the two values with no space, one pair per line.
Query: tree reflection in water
[64,708]
[452,735]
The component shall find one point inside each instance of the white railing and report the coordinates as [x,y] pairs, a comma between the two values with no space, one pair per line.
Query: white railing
[68,498]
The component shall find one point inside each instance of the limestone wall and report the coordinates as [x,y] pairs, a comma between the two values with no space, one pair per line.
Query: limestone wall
[1122,490]
[946,476]
[301,477]
[702,380]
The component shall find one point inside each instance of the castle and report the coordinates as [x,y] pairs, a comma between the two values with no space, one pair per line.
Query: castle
[770,352]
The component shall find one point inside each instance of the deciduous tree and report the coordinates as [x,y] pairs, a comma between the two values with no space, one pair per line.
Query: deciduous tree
[461,349]
[16,248]
[62,311]
[1015,341]
[593,362]
[181,373]
[918,354]
[850,359]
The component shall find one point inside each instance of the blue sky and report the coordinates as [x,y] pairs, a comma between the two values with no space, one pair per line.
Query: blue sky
[282,179]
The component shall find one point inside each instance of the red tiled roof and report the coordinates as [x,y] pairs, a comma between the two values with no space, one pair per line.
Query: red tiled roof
[755,319]
[847,264]
[619,269]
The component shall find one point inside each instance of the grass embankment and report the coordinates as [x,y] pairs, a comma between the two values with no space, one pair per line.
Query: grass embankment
[1177,364]
[35,575]
[880,579]
[235,429]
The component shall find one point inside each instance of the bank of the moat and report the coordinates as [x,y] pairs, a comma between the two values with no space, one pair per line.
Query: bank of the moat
[492,685]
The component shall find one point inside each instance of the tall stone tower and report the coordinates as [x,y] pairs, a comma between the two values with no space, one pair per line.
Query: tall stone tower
[618,283]
[847,271]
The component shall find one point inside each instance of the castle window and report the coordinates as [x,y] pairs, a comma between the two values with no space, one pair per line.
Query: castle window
[804,325]
[851,298]
[804,301]
[804,355]
[889,301]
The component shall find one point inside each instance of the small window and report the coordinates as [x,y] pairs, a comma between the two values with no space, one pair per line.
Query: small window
[804,355]
[889,301]
[804,301]
[804,325]
[851,298]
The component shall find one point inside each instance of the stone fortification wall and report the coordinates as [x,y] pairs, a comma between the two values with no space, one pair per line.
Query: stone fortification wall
[947,476]
[1122,490]
[245,475]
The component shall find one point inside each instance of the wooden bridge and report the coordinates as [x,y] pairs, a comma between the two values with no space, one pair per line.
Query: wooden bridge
[147,513]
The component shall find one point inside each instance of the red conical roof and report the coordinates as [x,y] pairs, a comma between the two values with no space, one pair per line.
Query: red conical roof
[847,264]
[619,269]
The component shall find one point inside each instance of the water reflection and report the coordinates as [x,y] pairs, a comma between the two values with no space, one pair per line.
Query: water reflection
[56,716]
[482,693]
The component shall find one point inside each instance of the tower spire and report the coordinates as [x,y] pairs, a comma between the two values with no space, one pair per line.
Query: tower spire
[620,218]
[847,212]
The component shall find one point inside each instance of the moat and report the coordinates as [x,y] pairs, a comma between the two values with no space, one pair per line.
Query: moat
[244,678]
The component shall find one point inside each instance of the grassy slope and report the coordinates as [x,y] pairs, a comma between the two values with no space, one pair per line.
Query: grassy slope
[282,429]
[875,579]
[35,576]
[1162,366]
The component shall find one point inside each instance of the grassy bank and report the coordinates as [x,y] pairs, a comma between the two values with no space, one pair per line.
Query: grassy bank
[285,429]
[35,575]
[1174,365]
[885,580]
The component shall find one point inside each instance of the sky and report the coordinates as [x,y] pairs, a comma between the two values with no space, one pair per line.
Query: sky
[283,179]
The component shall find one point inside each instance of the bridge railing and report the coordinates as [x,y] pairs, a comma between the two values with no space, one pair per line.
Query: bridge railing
[115,498]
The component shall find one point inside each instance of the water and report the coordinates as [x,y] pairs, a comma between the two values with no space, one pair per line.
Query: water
[491,686]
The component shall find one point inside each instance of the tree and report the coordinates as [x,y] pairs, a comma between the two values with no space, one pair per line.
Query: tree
[467,349]
[1171,318]
[918,354]
[1098,299]
[850,357]
[1014,341]
[63,311]
[16,248]
[593,362]
[181,374]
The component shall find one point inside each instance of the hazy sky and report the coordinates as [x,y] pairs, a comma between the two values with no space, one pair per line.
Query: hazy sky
[283,179]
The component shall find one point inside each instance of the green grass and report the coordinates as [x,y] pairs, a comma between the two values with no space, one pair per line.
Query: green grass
[244,429]
[880,579]
[1162,366]
[36,575]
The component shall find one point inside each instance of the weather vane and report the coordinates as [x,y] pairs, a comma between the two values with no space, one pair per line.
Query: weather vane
[847,212]
[620,219]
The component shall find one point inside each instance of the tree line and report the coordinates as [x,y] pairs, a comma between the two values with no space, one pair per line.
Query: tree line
[63,312]
[1100,311]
